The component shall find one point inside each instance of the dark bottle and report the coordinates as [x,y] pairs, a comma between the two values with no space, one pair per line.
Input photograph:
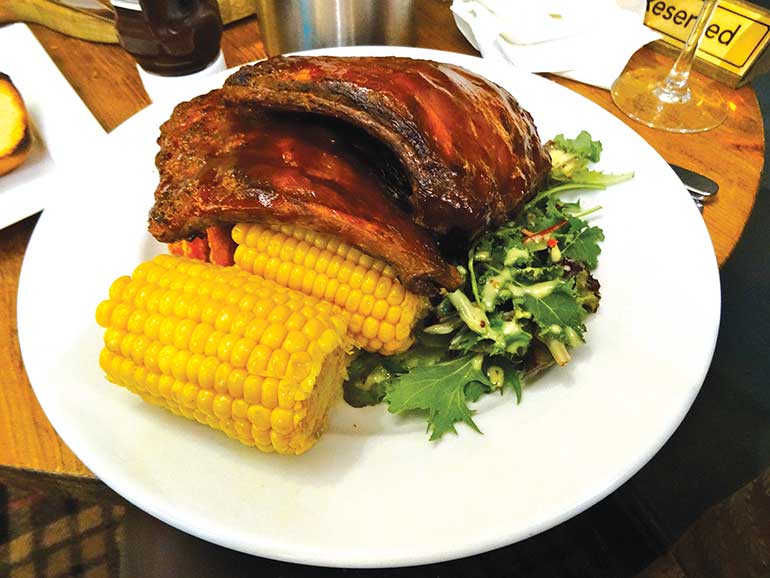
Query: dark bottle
[170,37]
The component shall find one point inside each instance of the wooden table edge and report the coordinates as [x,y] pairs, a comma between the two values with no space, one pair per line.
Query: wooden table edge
[88,488]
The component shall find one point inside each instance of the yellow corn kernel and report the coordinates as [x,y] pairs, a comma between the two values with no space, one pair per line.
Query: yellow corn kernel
[331,289]
[166,359]
[259,416]
[386,332]
[240,323]
[113,338]
[394,314]
[182,333]
[166,330]
[299,366]
[212,343]
[320,282]
[329,340]
[241,350]
[199,337]
[104,312]
[239,408]
[206,372]
[165,383]
[280,442]
[152,325]
[221,376]
[189,395]
[235,383]
[151,383]
[357,323]
[118,287]
[402,330]
[193,366]
[166,303]
[273,336]
[380,309]
[252,389]
[223,406]
[120,314]
[257,362]
[287,394]
[243,431]
[370,327]
[135,323]
[282,421]
[270,392]
[226,348]
[255,328]
[141,343]
[383,287]
[295,341]
[182,305]
[126,345]
[151,355]
[204,401]
[179,364]
[279,314]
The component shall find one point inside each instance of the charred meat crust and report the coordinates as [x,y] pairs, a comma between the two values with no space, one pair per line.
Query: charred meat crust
[471,153]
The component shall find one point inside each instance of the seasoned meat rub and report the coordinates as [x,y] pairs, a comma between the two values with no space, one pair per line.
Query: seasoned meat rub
[470,152]
[221,164]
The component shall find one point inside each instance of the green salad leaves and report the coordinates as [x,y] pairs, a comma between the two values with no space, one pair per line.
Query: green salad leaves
[528,289]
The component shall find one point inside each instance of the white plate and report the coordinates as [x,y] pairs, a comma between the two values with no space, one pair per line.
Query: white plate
[374,492]
[63,129]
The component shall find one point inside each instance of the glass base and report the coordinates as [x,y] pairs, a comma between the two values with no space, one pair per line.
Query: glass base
[643,95]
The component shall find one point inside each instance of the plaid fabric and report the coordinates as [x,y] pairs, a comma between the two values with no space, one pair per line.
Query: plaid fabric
[44,536]
[50,537]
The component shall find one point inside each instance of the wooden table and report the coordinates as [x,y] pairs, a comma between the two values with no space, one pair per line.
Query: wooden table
[30,451]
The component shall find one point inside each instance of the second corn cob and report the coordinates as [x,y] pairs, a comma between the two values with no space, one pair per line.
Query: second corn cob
[382,313]
[259,362]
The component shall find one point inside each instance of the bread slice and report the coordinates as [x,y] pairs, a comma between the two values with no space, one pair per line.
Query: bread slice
[15,139]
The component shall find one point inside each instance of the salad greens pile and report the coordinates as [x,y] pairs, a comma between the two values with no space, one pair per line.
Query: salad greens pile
[527,291]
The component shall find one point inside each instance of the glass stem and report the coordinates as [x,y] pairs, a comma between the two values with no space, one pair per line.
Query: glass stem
[674,87]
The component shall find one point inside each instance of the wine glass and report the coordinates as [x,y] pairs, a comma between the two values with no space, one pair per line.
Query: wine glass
[671,100]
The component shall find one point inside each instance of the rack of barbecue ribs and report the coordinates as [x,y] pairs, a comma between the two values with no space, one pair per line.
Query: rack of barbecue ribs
[404,158]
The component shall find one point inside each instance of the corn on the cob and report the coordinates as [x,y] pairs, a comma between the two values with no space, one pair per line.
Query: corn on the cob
[229,349]
[381,311]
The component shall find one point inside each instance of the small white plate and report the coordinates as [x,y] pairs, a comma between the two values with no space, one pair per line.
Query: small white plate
[374,492]
[63,129]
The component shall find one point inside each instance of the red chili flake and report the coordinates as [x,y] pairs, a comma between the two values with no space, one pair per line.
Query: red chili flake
[545,234]
[552,243]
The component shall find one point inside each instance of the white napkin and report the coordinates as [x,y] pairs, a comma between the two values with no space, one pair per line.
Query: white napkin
[590,41]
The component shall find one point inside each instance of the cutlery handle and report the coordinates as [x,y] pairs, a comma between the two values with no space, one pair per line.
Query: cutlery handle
[696,182]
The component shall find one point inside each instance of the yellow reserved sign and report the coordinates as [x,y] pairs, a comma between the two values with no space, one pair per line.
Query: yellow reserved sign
[736,35]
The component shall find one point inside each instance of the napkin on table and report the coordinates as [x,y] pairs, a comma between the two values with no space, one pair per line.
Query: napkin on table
[590,41]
